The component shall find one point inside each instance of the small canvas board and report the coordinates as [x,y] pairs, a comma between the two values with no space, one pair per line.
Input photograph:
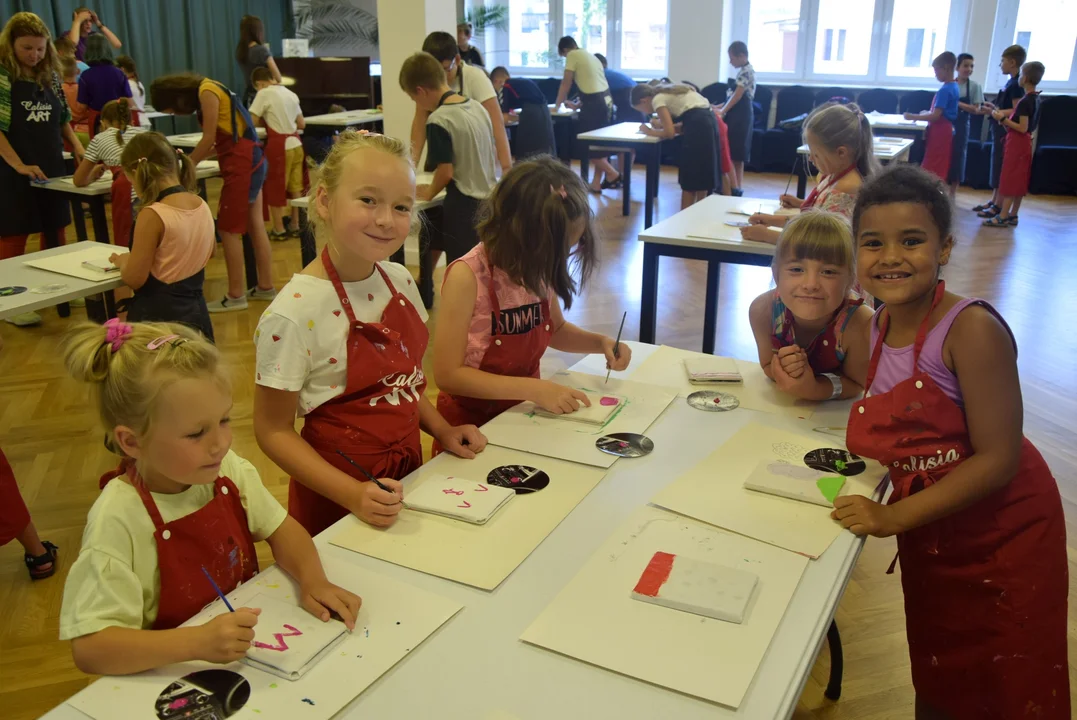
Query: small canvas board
[289,641]
[459,499]
[69,180]
[689,585]
[796,482]
[665,367]
[601,409]
[395,619]
[522,428]
[710,369]
[478,555]
[713,491]
[595,618]
[71,263]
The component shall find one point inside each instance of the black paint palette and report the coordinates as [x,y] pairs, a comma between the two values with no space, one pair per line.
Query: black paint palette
[521,478]
[834,460]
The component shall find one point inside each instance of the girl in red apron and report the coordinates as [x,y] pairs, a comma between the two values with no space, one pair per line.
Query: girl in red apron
[343,344]
[939,138]
[103,153]
[276,108]
[499,303]
[981,533]
[813,320]
[181,507]
[227,130]
[841,145]
[1020,123]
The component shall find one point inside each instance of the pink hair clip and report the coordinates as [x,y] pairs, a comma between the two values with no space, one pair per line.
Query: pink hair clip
[116,333]
[560,191]
[158,342]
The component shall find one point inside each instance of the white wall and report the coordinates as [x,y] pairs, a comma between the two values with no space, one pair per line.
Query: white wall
[696,48]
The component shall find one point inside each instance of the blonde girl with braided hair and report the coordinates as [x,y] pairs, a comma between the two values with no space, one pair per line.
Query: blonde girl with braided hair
[173,236]
[182,505]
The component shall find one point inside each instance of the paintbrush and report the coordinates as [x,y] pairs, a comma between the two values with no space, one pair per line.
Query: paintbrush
[791,174]
[221,594]
[616,346]
[363,470]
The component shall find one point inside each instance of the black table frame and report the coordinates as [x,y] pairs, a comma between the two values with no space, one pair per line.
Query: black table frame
[652,156]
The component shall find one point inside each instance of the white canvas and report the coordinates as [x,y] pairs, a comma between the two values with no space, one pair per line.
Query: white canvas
[521,428]
[602,408]
[701,588]
[288,641]
[795,481]
[665,367]
[71,263]
[595,619]
[713,491]
[478,555]
[459,499]
[394,620]
[709,369]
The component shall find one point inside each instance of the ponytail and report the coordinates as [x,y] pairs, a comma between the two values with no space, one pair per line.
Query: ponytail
[866,162]
[148,157]
[837,125]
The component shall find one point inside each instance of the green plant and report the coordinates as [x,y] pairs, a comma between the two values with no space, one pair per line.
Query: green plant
[486,17]
[336,24]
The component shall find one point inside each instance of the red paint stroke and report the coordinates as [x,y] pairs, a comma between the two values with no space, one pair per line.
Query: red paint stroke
[466,505]
[607,401]
[281,646]
[450,491]
[483,488]
[655,574]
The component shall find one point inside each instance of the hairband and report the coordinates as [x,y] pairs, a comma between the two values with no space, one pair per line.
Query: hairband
[116,333]
[560,191]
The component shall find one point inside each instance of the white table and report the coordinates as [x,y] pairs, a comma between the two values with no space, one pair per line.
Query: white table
[15,272]
[887,149]
[628,135]
[96,193]
[896,122]
[191,140]
[476,668]
[349,118]
[673,238]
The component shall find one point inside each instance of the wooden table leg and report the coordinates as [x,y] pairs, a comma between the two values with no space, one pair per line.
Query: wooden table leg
[648,294]
[710,309]
[79,220]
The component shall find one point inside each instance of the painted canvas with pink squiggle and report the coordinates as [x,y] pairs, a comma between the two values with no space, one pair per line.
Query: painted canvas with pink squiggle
[288,640]
[458,499]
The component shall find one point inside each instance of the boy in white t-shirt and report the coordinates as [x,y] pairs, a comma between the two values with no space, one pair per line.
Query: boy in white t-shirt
[276,108]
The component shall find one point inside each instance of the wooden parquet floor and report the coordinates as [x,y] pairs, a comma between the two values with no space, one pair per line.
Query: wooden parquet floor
[49,430]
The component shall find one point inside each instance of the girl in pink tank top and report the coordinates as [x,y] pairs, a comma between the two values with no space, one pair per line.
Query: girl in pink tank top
[499,303]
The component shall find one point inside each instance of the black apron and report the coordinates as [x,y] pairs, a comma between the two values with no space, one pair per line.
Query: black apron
[699,167]
[178,302]
[534,134]
[34,134]
[740,119]
[961,139]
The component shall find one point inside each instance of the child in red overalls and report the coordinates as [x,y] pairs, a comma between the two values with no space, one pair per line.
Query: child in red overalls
[181,505]
[499,302]
[939,138]
[812,323]
[1020,123]
[342,346]
[981,533]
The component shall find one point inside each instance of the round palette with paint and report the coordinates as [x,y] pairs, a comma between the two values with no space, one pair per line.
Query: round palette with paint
[213,694]
[713,401]
[626,445]
[521,478]
[12,290]
[835,460]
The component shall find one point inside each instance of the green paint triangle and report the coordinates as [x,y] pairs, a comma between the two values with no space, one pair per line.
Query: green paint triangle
[830,487]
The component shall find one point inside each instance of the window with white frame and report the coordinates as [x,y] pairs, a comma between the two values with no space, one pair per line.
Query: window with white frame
[631,34]
[884,42]
[1047,29]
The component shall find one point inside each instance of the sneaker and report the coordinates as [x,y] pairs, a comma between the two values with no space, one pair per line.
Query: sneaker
[25,319]
[256,293]
[998,222]
[1012,221]
[227,304]
[77,302]
[986,206]
[278,236]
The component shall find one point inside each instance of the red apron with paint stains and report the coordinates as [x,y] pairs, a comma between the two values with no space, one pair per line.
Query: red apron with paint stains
[938,145]
[122,217]
[375,422]
[216,537]
[517,355]
[276,187]
[985,588]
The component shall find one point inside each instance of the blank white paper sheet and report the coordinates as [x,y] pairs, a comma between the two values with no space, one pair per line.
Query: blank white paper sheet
[596,620]
[521,428]
[713,491]
[478,555]
[395,619]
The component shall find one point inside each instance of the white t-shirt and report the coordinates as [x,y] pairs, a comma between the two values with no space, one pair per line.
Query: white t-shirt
[679,104]
[476,85]
[115,580]
[302,339]
[278,107]
[590,77]
[138,98]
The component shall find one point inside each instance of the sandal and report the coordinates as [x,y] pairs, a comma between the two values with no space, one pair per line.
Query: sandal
[998,222]
[593,189]
[990,212]
[613,184]
[33,564]
[986,206]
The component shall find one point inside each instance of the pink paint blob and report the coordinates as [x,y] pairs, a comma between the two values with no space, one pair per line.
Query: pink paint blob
[607,401]
[177,704]
[717,401]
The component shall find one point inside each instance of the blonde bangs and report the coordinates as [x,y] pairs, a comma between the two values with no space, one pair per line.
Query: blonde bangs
[820,236]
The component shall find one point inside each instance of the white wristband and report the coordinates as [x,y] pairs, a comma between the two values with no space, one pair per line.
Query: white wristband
[835,383]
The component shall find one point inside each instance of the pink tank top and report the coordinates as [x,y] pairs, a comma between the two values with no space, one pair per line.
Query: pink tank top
[186,244]
[895,364]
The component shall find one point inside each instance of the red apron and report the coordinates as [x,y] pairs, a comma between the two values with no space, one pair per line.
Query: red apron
[276,187]
[122,218]
[830,181]
[826,352]
[14,517]
[216,537]
[1016,162]
[236,156]
[516,355]
[938,145]
[985,588]
[375,422]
